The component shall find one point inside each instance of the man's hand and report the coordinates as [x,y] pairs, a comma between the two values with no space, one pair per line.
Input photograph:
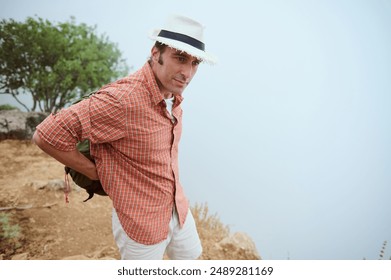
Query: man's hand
[74,159]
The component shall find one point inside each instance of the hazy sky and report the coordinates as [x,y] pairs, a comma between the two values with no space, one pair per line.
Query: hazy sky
[288,137]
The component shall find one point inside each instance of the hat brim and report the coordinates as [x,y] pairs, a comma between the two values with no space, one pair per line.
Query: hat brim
[200,54]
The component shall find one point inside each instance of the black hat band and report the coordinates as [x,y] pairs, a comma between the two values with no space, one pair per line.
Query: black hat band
[182,38]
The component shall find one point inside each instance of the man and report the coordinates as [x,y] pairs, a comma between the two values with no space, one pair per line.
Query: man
[134,127]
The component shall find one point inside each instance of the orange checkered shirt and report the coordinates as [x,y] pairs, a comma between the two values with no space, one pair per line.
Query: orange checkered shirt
[135,145]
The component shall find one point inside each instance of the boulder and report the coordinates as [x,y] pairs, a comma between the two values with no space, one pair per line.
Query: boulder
[239,246]
[23,256]
[15,124]
[52,185]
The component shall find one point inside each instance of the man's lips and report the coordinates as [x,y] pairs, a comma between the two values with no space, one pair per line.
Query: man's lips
[180,81]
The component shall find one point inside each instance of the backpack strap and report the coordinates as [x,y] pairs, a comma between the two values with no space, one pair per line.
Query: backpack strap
[67,186]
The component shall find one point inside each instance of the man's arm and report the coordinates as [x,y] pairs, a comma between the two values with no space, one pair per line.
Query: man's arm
[73,159]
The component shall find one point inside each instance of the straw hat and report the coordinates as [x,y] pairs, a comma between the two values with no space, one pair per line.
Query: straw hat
[184,34]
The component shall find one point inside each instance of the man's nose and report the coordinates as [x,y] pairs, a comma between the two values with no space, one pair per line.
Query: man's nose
[188,71]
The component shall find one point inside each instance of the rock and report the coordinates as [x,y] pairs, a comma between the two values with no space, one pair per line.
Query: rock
[83,257]
[106,253]
[77,257]
[15,124]
[32,120]
[54,185]
[239,246]
[23,256]
[12,124]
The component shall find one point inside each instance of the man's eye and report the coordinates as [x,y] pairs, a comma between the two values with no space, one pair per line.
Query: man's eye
[181,58]
[197,62]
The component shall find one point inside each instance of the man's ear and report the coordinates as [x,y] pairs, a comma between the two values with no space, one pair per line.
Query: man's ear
[155,54]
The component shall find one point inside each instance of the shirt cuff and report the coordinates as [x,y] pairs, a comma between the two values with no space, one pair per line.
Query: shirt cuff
[54,132]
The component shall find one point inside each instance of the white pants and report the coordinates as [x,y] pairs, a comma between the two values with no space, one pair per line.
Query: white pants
[181,243]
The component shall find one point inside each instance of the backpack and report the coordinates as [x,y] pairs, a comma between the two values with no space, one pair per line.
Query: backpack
[91,186]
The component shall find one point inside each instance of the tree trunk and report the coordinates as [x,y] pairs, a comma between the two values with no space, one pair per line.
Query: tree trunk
[20,102]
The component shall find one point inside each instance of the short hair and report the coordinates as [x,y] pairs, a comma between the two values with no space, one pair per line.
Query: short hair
[160,46]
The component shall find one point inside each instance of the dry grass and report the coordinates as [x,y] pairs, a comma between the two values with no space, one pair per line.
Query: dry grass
[210,230]
[216,239]
[382,251]
[209,226]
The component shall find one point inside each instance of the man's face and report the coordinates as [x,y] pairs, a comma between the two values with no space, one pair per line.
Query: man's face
[173,70]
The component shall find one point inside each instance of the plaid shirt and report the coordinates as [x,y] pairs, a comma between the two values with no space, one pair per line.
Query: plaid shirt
[135,145]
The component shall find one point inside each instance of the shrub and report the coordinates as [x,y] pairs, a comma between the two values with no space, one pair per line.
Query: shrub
[9,236]
[5,107]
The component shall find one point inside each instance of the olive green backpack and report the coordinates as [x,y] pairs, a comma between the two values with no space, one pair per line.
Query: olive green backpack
[91,186]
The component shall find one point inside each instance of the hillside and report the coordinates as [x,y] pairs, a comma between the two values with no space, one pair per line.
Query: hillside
[36,223]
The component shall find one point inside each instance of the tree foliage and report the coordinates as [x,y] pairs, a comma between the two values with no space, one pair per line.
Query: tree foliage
[55,63]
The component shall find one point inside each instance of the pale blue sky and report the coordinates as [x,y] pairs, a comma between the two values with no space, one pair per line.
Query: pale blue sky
[288,137]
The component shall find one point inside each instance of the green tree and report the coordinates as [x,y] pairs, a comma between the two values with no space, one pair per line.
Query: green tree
[55,63]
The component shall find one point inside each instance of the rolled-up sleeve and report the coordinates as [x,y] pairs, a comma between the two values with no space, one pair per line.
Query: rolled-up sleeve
[99,118]
[56,130]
